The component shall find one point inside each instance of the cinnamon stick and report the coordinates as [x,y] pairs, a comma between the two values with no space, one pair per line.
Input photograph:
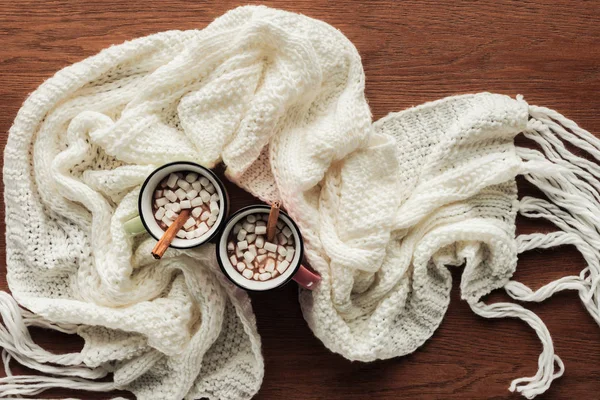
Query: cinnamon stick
[165,241]
[272,222]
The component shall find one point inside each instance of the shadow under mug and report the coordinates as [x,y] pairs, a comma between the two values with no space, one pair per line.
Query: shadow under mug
[145,221]
[296,271]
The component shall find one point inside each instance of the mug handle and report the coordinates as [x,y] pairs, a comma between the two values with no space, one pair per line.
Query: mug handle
[134,226]
[306,278]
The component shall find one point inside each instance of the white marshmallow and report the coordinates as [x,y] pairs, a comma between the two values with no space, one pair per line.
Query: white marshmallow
[211,221]
[249,256]
[172,181]
[191,194]
[197,186]
[215,197]
[205,196]
[205,215]
[260,230]
[281,250]
[171,214]
[251,218]
[236,228]
[248,227]
[241,267]
[256,275]
[204,181]
[162,201]
[175,207]
[159,213]
[289,255]
[169,194]
[280,224]
[180,193]
[287,232]
[270,265]
[249,264]
[242,245]
[265,276]
[247,274]
[214,208]
[251,238]
[202,229]
[185,204]
[210,188]
[196,202]
[185,185]
[233,260]
[272,247]
[158,194]
[239,253]
[181,234]
[230,246]
[281,239]
[189,223]
[191,177]
[196,212]
[261,223]
[190,235]
[260,242]
[252,249]
[167,221]
[241,235]
[261,251]
[261,258]
[282,266]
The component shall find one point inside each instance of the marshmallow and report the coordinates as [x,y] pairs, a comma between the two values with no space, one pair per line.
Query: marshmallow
[158,194]
[249,256]
[202,229]
[205,196]
[214,208]
[265,276]
[242,245]
[261,251]
[159,213]
[261,223]
[272,247]
[196,202]
[211,220]
[171,214]
[251,218]
[287,232]
[189,223]
[180,193]
[215,197]
[191,177]
[172,181]
[282,266]
[239,253]
[280,224]
[281,250]
[241,234]
[251,238]
[248,227]
[252,249]
[233,260]
[204,181]
[289,255]
[185,204]
[197,186]
[247,274]
[236,228]
[190,235]
[261,258]
[161,202]
[281,239]
[184,185]
[241,267]
[175,207]
[181,234]
[191,194]
[260,230]
[210,188]
[196,212]
[205,215]
[260,242]
[230,246]
[270,265]
[169,194]
[166,221]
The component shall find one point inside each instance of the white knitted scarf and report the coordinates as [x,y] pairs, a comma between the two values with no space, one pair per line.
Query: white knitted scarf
[384,208]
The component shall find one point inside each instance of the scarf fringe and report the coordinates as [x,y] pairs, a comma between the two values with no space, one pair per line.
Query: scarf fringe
[17,343]
[572,186]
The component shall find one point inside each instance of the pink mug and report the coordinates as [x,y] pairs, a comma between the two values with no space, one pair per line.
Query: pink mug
[253,263]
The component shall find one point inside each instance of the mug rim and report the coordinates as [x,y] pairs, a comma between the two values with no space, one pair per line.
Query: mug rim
[223,237]
[224,203]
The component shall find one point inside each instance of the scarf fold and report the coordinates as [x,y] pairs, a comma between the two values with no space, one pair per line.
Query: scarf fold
[385,208]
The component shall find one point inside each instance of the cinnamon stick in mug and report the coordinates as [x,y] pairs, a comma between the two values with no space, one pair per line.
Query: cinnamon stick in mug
[272,222]
[165,241]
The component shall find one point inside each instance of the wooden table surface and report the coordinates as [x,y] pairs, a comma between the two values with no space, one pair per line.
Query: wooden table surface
[412,52]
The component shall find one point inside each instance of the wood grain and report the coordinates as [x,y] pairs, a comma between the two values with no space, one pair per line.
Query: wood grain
[413,51]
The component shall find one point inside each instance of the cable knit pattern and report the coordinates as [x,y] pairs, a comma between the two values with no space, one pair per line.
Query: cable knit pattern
[384,208]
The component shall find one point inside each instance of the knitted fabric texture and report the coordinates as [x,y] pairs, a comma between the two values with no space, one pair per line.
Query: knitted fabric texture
[384,208]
